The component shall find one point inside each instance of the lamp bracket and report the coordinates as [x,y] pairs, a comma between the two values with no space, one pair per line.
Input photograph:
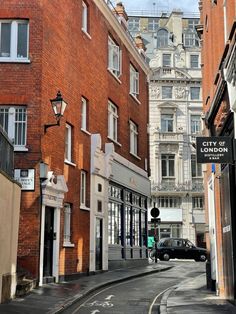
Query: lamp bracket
[46,126]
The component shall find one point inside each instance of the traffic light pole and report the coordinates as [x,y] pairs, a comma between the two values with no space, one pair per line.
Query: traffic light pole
[155,213]
[155,237]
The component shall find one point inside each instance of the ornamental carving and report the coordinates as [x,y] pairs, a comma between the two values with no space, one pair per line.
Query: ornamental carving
[180,92]
[154,92]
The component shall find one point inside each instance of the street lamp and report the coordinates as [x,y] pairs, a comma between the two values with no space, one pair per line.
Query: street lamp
[58,107]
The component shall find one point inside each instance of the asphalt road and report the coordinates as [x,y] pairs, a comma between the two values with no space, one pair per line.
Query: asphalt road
[139,295]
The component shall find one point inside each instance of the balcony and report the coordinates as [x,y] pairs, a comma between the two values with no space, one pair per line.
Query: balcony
[6,154]
[169,185]
[169,137]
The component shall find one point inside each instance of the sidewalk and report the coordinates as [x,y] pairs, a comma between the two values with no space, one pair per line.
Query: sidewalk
[192,297]
[52,298]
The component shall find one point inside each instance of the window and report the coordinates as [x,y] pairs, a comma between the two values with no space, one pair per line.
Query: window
[133,138]
[14,40]
[134,81]
[195,124]
[153,24]
[68,143]
[114,58]
[133,24]
[162,38]
[167,122]
[143,229]
[168,202]
[195,167]
[14,121]
[191,39]
[83,188]
[168,165]
[166,92]
[136,228]
[112,121]
[114,223]
[194,61]
[193,23]
[166,60]
[84,114]
[67,224]
[197,202]
[84,17]
[194,93]
[128,224]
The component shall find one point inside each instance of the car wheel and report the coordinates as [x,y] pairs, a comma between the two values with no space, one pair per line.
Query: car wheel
[202,258]
[166,256]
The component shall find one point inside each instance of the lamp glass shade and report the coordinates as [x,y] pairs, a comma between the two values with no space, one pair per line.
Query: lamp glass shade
[58,105]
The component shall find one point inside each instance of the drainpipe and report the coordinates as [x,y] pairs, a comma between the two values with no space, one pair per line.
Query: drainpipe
[225,20]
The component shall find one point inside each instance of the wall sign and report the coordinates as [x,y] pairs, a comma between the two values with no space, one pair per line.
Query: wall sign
[214,149]
[26,178]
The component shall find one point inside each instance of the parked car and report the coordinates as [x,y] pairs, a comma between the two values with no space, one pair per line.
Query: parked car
[179,248]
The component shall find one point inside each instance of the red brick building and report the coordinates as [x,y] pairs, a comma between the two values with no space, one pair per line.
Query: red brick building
[84,182]
[218,34]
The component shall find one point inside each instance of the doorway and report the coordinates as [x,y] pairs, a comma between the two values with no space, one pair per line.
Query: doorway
[98,244]
[48,242]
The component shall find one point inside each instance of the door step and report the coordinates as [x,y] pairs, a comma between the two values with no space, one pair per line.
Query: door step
[48,279]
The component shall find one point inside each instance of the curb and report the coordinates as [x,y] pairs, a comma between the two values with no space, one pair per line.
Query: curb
[80,296]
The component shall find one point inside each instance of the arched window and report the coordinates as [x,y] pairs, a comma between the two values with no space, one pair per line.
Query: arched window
[162,38]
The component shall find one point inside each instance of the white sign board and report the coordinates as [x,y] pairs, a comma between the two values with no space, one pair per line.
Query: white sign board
[26,178]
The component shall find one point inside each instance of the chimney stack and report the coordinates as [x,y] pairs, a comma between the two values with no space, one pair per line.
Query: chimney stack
[122,16]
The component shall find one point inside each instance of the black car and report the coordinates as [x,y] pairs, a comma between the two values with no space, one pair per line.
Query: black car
[179,248]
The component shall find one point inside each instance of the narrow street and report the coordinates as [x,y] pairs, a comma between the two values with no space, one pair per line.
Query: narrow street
[139,295]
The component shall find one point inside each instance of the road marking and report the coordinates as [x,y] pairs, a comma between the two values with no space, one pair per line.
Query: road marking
[95,311]
[154,301]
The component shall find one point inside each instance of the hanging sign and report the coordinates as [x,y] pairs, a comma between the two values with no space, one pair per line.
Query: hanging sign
[214,149]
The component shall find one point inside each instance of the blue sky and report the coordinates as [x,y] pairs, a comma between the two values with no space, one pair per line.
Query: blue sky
[161,5]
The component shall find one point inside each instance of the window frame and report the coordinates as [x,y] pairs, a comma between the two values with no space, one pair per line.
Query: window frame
[166,63]
[167,91]
[67,226]
[112,121]
[85,17]
[165,119]
[84,109]
[162,39]
[14,39]
[198,202]
[83,190]
[68,143]
[193,95]
[133,138]
[12,125]
[196,168]
[134,81]
[167,158]
[195,123]
[114,53]
[194,64]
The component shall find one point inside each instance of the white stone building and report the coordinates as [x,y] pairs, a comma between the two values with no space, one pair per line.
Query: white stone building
[175,121]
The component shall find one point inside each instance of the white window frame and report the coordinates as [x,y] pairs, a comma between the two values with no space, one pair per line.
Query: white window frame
[84,107]
[133,138]
[114,58]
[192,95]
[168,158]
[195,123]
[194,64]
[165,119]
[67,225]
[112,121]
[84,17]
[166,60]
[167,91]
[196,168]
[162,38]
[191,39]
[13,57]
[198,202]
[68,143]
[83,182]
[14,127]
[134,81]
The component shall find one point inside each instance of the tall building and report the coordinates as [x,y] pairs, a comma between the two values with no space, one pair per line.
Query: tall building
[217,31]
[175,106]
[84,171]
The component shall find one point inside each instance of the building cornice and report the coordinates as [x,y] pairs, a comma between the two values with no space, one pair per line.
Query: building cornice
[109,15]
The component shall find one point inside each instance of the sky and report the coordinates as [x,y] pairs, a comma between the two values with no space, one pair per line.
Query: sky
[161,5]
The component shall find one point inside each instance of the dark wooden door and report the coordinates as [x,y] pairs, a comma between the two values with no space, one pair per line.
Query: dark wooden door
[98,244]
[48,242]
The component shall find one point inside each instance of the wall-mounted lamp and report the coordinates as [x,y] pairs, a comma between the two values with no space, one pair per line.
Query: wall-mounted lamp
[58,107]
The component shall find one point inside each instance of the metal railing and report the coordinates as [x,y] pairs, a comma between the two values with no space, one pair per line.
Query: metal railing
[6,154]
[196,185]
